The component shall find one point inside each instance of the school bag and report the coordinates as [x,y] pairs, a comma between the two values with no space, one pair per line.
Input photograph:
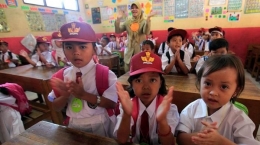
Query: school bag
[169,57]
[163,47]
[135,112]
[102,84]
[18,93]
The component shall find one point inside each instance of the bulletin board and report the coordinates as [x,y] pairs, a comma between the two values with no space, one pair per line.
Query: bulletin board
[60,20]
[3,22]
[49,21]
[35,21]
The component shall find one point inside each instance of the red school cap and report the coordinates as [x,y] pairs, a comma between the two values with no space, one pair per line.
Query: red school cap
[56,35]
[78,32]
[3,42]
[201,30]
[217,30]
[42,40]
[181,32]
[145,62]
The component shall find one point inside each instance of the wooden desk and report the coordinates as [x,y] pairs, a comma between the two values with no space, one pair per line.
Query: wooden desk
[3,65]
[110,61]
[199,52]
[185,92]
[49,133]
[34,79]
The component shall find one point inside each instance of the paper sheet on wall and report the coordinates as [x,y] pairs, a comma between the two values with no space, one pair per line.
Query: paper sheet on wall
[234,5]
[157,7]
[169,8]
[217,2]
[196,8]
[49,22]
[96,16]
[60,20]
[73,17]
[122,9]
[3,22]
[35,21]
[104,14]
[252,6]
[181,8]
[234,17]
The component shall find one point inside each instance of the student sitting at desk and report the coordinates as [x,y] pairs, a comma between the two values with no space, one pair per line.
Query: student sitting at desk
[214,119]
[164,46]
[41,54]
[103,48]
[176,60]
[6,55]
[149,117]
[148,45]
[76,86]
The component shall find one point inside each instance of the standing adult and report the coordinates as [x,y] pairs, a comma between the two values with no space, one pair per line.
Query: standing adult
[137,28]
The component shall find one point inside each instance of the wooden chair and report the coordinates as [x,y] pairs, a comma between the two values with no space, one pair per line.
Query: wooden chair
[250,57]
[256,71]
[254,61]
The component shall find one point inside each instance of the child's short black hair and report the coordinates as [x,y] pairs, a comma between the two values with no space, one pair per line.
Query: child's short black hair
[162,90]
[218,62]
[106,39]
[170,28]
[170,37]
[4,43]
[218,43]
[148,42]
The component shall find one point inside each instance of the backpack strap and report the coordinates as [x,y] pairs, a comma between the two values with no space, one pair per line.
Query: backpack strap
[182,54]
[168,56]
[135,112]
[163,47]
[10,54]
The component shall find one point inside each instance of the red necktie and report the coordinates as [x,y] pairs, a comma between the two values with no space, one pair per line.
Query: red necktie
[144,128]
[78,74]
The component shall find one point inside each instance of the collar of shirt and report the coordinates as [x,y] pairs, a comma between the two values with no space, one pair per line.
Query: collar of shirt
[218,116]
[150,109]
[85,69]
[170,52]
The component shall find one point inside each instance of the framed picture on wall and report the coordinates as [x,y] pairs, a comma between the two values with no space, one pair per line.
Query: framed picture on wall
[96,17]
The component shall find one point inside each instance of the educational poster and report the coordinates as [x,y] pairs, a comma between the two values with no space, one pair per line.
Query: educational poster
[11,3]
[157,6]
[234,17]
[169,8]
[252,6]
[122,9]
[96,17]
[60,20]
[3,22]
[216,10]
[104,14]
[217,2]
[181,8]
[35,21]
[234,5]
[73,18]
[49,22]
[196,8]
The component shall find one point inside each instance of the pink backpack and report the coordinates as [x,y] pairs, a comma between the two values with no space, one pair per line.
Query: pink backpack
[102,84]
[135,111]
[21,100]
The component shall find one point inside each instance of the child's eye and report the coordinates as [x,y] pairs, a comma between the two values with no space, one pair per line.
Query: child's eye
[224,87]
[207,83]
[138,80]
[83,47]
[153,80]
[68,47]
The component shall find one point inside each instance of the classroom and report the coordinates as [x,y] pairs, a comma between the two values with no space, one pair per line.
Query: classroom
[147,72]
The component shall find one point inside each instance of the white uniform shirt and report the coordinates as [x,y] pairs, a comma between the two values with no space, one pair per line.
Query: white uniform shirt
[186,61]
[232,123]
[7,57]
[89,82]
[166,48]
[197,42]
[200,63]
[188,50]
[99,49]
[47,55]
[206,48]
[172,119]
[112,45]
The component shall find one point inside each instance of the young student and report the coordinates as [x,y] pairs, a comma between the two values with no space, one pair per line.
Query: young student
[148,45]
[6,55]
[149,117]
[214,119]
[164,46]
[150,37]
[176,60]
[86,109]
[187,47]
[204,42]
[218,46]
[215,32]
[41,54]
[57,51]
[197,36]
[123,41]
[103,48]
[11,124]
[113,44]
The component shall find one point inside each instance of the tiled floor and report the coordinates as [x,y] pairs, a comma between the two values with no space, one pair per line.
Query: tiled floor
[32,96]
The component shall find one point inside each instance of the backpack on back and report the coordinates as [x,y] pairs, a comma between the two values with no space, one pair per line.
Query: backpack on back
[21,100]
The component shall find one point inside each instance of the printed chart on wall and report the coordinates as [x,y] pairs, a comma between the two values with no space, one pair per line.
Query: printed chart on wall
[158,7]
[73,18]
[234,5]
[169,9]
[217,2]
[196,8]
[49,22]
[60,20]
[181,8]
[252,6]
[3,22]
[122,9]
[35,21]
[96,17]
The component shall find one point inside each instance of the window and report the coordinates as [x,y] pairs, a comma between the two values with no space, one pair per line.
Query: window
[61,4]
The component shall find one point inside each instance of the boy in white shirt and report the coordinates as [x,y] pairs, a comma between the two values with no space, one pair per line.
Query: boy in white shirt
[164,46]
[6,55]
[103,48]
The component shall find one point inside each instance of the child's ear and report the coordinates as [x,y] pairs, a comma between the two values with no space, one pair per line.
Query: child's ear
[236,92]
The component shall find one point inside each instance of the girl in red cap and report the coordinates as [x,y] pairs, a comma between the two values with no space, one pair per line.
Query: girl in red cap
[41,54]
[149,117]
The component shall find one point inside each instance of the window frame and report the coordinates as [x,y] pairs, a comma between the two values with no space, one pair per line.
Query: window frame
[45,5]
